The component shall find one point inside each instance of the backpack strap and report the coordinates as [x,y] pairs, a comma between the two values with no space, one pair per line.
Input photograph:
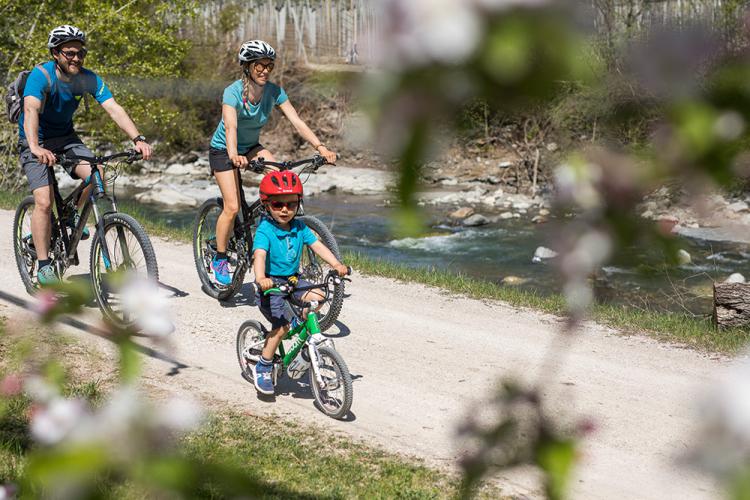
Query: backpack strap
[49,84]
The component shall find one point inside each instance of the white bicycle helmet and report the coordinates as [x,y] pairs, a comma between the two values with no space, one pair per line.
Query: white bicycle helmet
[254,50]
[63,34]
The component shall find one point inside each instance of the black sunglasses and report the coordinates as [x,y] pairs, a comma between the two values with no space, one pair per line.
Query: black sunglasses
[278,205]
[260,66]
[70,54]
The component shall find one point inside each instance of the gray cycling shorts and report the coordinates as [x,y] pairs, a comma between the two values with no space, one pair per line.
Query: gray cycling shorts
[38,174]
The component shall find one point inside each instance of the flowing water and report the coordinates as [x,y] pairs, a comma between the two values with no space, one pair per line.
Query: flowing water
[505,248]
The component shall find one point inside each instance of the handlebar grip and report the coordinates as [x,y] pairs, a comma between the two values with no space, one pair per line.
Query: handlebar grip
[349,270]
[256,288]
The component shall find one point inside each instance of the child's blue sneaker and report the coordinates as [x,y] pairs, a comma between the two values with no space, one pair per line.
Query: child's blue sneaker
[220,267]
[263,377]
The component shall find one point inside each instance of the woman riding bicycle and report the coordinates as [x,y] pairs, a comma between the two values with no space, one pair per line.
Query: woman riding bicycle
[246,107]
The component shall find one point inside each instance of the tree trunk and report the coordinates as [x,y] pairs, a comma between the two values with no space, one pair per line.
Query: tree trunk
[731,304]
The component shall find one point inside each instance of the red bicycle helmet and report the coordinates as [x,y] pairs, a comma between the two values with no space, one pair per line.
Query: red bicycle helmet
[285,182]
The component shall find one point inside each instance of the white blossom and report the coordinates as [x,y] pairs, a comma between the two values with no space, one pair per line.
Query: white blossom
[144,301]
[39,389]
[179,414]
[53,422]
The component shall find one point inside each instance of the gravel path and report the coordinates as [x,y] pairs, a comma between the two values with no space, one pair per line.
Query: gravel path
[422,359]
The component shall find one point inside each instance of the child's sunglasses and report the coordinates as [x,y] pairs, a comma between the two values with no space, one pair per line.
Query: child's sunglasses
[278,205]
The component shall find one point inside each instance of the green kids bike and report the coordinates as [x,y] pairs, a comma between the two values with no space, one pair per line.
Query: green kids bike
[309,352]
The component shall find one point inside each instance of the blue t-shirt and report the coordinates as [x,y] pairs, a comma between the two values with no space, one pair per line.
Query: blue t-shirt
[283,248]
[250,117]
[63,98]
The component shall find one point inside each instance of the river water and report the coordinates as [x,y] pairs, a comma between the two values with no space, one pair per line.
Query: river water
[493,252]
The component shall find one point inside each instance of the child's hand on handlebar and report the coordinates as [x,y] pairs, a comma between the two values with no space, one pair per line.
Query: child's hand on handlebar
[342,269]
[265,284]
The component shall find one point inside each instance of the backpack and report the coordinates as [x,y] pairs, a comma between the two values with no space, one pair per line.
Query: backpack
[14,94]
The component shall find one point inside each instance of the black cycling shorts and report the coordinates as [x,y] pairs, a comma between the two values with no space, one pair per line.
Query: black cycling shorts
[219,161]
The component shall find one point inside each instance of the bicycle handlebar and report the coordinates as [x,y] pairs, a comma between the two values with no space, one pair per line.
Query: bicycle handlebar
[130,156]
[259,166]
[288,289]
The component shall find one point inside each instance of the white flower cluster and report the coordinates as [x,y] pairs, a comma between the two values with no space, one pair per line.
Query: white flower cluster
[144,301]
[418,32]
[116,425]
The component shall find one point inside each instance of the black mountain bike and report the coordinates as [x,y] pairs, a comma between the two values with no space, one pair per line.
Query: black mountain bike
[239,248]
[119,244]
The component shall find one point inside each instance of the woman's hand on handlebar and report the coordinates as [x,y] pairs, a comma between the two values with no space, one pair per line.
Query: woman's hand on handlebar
[265,284]
[329,155]
[239,161]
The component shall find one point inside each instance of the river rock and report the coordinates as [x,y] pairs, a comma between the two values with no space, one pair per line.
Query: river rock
[735,278]
[166,195]
[476,220]
[539,219]
[683,257]
[543,253]
[179,169]
[348,180]
[738,206]
[506,215]
[513,280]
[461,213]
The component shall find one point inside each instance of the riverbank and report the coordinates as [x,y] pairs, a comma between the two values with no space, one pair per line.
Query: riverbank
[672,327]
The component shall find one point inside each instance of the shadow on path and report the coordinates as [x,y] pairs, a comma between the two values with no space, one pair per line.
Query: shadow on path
[177,366]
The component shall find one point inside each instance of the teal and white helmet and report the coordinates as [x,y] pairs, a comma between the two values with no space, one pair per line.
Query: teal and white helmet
[254,50]
[63,34]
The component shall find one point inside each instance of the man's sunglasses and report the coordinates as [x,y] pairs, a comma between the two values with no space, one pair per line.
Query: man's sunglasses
[259,66]
[278,205]
[70,54]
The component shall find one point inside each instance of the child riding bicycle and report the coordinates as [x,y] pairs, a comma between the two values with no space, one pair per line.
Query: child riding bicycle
[277,249]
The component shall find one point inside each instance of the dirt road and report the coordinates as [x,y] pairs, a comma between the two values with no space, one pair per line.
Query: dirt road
[421,358]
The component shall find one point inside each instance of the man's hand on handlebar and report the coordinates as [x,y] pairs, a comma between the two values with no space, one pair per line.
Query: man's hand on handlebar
[265,284]
[45,156]
[144,148]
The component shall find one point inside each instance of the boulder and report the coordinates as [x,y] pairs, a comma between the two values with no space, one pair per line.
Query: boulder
[513,280]
[735,278]
[738,206]
[543,253]
[178,169]
[476,220]
[167,196]
[506,215]
[461,213]
[683,257]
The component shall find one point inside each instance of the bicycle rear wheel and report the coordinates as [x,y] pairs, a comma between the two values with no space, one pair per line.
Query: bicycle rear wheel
[204,250]
[130,251]
[335,396]
[314,269]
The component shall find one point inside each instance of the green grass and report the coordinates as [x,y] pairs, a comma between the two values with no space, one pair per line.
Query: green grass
[277,457]
[695,332]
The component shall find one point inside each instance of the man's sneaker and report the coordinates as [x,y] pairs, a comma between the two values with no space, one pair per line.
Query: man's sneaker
[73,223]
[263,378]
[46,275]
[220,267]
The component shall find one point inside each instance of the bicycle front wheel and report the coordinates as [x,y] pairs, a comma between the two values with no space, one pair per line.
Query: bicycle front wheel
[334,397]
[23,246]
[130,251]
[314,269]
[204,250]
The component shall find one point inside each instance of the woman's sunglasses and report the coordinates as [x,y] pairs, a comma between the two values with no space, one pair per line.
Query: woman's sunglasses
[70,54]
[278,205]
[259,66]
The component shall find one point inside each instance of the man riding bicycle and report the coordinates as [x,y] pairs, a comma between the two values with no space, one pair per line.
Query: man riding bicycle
[45,129]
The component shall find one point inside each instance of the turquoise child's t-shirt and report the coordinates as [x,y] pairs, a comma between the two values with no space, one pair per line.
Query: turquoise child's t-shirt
[250,117]
[62,99]
[283,248]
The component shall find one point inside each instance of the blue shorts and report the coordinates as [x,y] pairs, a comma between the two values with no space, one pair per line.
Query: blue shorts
[275,307]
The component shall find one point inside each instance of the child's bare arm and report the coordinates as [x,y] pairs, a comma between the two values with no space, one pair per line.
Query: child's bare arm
[259,268]
[321,250]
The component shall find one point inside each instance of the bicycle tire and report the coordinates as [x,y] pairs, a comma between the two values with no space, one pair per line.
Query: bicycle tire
[343,378]
[311,269]
[26,260]
[202,254]
[249,331]
[104,298]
